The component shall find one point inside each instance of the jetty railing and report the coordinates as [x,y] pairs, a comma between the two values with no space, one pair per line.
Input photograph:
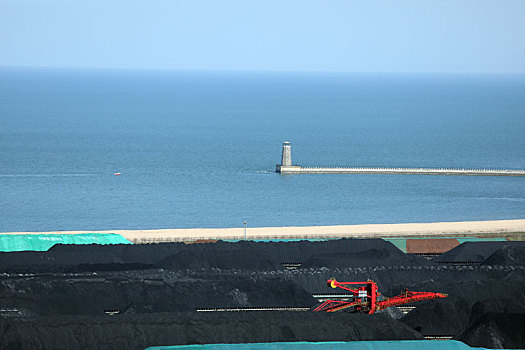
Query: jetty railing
[394,170]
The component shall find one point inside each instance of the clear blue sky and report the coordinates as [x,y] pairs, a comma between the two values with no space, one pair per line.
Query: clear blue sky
[328,35]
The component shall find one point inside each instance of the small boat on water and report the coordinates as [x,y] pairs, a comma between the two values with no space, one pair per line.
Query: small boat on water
[117,174]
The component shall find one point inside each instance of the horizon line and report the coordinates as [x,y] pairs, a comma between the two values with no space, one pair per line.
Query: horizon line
[116,68]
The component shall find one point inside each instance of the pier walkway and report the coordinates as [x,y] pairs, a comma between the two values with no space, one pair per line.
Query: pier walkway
[287,167]
[297,169]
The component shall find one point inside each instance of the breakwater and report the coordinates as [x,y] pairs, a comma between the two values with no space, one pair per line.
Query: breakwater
[297,169]
[287,167]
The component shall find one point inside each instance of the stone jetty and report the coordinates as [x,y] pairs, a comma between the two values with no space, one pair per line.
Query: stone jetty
[286,167]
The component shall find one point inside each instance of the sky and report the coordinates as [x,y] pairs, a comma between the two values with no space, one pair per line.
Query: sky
[472,36]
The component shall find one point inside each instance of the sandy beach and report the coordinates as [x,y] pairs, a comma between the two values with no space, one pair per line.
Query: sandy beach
[467,228]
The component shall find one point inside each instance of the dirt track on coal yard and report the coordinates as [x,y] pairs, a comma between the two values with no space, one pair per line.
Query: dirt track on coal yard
[134,296]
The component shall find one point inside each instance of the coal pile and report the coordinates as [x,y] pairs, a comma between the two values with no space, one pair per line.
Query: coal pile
[226,255]
[384,256]
[507,255]
[134,296]
[496,330]
[92,295]
[428,319]
[495,323]
[512,305]
[138,332]
[249,259]
[476,251]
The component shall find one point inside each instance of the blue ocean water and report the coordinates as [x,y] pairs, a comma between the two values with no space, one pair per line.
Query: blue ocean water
[198,149]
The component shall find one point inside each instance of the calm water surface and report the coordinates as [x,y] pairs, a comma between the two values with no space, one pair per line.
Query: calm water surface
[198,149]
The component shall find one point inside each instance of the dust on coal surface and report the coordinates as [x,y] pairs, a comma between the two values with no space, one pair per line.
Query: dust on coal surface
[58,298]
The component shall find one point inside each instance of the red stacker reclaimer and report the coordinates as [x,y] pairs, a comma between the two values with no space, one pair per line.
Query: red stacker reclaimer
[365,297]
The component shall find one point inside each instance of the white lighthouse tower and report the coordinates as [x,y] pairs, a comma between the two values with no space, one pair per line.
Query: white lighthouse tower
[286,159]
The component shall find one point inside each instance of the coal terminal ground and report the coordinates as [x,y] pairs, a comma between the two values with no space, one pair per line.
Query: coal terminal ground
[135,296]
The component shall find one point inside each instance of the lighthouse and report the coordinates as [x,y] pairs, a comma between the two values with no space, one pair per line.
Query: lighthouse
[286,158]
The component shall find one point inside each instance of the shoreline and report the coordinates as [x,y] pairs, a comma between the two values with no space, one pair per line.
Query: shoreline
[435,229]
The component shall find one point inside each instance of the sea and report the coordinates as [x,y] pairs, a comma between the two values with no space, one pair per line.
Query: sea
[199,148]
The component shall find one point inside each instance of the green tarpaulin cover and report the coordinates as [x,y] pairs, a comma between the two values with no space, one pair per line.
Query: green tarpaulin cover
[42,242]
